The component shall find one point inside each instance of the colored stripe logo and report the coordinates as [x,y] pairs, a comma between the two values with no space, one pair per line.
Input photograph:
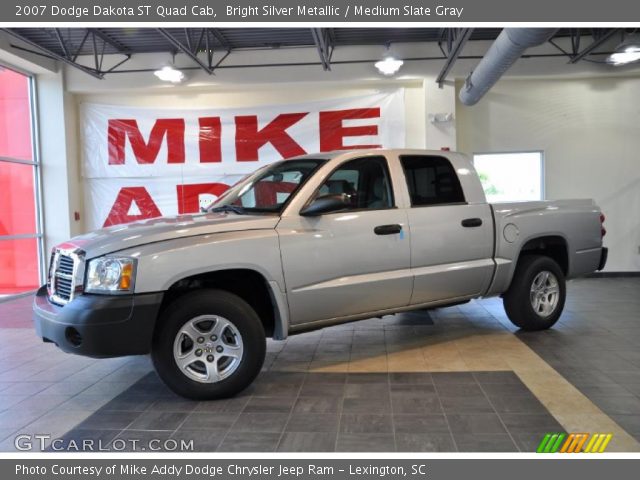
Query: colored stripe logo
[574,443]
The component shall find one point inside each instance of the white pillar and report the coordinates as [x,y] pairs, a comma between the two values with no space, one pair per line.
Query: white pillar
[60,175]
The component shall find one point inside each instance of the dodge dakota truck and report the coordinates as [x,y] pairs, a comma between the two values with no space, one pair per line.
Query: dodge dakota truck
[305,243]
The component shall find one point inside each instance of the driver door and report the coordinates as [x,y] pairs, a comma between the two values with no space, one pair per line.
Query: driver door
[353,261]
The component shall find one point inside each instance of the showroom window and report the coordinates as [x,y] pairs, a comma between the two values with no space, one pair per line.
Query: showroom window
[364,180]
[511,177]
[431,181]
[20,233]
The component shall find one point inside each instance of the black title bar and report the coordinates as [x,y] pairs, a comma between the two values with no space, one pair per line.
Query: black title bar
[316,11]
[319,469]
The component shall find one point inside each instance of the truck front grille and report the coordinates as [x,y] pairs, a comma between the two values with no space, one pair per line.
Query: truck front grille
[62,277]
[65,265]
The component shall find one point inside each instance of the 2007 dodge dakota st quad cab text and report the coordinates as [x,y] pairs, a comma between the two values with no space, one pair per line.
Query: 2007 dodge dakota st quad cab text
[306,243]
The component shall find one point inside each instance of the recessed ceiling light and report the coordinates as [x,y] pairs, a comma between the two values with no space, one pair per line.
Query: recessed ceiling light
[389,66]
[627,52]
[169,74]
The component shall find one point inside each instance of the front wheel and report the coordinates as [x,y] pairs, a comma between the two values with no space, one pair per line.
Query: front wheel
[536,297]
[209,344]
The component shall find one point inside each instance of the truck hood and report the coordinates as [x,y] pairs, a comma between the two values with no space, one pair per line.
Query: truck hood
[121,237]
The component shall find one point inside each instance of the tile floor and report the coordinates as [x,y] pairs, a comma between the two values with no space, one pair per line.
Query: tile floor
[455,379]
[307,411]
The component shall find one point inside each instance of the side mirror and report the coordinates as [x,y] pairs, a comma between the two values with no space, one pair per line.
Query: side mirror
[326,204]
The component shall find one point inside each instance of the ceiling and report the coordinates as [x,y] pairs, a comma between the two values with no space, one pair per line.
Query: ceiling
[69,45]
[150,40]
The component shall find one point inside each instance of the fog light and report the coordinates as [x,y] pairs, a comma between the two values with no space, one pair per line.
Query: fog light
[73,336]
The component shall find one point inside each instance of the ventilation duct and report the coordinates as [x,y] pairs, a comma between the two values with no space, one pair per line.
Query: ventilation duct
[508,47]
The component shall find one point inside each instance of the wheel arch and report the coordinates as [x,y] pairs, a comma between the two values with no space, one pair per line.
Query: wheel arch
[555,247]
[264,296]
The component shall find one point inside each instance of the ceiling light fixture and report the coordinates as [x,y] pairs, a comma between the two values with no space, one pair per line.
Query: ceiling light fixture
[389,66]
[169,74]
[627,52]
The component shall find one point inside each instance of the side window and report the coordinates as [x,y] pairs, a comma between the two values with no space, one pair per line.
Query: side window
[364,180]
[431,181]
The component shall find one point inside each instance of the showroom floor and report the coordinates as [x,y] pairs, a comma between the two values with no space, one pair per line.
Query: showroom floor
[455,379]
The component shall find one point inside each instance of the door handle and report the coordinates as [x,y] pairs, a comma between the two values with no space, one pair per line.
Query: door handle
[471,222]
[387,229]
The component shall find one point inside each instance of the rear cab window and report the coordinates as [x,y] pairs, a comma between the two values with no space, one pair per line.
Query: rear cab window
[431,180]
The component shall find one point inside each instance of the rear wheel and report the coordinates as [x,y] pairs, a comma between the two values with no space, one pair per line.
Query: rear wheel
[536,297]
[210,344]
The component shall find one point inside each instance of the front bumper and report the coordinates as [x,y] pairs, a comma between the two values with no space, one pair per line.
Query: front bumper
[98,325]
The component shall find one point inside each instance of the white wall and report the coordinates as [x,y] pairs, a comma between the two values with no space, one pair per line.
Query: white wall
[589,130]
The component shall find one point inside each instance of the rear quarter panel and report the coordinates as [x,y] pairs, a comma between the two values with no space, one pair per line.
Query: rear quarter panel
[576,221]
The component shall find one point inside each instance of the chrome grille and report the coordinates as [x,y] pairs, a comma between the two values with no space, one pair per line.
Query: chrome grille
[65,265]
[64,285]
[62,276]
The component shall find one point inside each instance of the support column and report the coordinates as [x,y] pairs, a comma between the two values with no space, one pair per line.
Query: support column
[61,186]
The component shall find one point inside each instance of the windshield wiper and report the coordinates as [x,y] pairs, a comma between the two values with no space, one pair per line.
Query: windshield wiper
[237,209]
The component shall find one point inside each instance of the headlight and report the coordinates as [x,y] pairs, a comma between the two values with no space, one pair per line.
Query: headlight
[111,275]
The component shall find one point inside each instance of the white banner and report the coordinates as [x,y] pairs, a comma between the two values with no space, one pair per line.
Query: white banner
[144,162]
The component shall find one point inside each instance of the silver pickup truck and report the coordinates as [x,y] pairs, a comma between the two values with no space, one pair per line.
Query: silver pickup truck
[306,243]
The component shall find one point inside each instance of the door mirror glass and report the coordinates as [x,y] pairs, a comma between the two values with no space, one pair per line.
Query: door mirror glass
[326,204]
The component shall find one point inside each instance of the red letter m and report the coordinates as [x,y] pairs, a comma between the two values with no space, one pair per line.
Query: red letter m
[146,152]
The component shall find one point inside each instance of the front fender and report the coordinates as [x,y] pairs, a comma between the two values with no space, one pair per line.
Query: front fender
[162,264]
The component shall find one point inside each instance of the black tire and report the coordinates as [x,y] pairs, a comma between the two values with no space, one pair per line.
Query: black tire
[517,299]
[209,302]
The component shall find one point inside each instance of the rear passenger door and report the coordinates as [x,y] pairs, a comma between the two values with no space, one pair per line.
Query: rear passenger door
[451,240]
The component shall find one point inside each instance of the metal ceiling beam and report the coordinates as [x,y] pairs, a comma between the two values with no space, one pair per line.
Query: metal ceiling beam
[456,40]
[74,57]
[54,55]
[598,41]
[110,41]
[322,39]
[220,38]
[183,48]
[63,45]
[71,51]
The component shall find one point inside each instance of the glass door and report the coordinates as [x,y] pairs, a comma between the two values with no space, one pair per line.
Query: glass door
[20,231]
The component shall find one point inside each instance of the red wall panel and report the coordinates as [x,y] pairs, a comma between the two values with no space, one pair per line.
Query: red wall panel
[18,211]
[18,265]
[15,121]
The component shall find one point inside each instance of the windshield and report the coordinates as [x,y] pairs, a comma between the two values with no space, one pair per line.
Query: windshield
[267,189]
